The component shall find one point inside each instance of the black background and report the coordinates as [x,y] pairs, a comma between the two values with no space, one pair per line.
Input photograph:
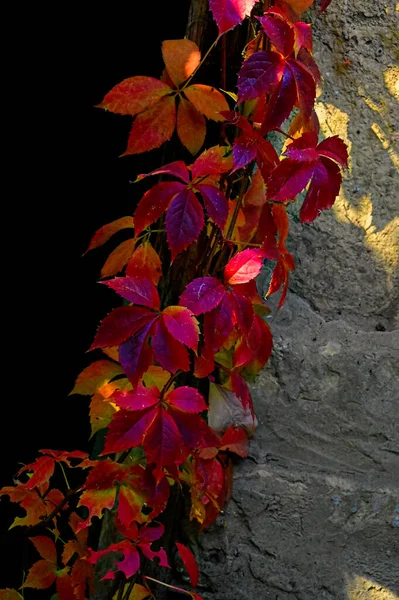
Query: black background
[62,180]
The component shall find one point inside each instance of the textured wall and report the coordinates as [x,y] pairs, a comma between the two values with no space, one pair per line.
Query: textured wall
[315,510]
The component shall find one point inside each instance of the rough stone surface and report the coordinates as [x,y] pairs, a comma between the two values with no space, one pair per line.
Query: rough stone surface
[315,510]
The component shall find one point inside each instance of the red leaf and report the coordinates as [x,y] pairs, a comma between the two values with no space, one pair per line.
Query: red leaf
[105,232]
[184,221]
[194,431]
[170,353]
[182,325]
[138,291]
[188,399]
[153,127]
[305,87]
[130,563]
[95,376]
[202,295]
[121,324]
[255,350]
[214,161]
[150,554]
[229,13]
[118,258]
[244,266]
[207,100]
[177,169]
[191,126]
[241,390]
[135,94]
[135,355]
[281,102]
[243,312]
[333,147]
[139,399]
[306,59]
[162,443]
[244,151]
[181,58]
[127,429]
[154,203]
[42,468]
[288,179]
[145,262]
[303,36]
[189,562]
[323,190]
[279,33]
[216,203]
[218,324]
[324,4]
[235,440]
[259,75]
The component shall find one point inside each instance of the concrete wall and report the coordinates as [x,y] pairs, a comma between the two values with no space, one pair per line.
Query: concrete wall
[315,510]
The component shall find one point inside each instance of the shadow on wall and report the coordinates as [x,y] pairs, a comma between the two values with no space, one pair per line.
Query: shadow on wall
[380,234]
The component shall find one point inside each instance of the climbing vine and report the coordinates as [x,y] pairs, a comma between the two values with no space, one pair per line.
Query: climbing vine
[170,404]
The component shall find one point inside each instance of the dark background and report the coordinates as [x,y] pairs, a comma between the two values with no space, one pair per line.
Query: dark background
[65,180]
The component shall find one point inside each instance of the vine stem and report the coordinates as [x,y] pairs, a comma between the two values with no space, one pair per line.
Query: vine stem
[65,477]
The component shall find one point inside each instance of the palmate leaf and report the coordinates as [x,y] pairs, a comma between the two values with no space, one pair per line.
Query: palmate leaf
[184,212]
[44,572]
[132,327]
[289,80]
[166,426]
[141,538]
[309,161]
[36,507]
[100,491]
[251,146]
[152,102]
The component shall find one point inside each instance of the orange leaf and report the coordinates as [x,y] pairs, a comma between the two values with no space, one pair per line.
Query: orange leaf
[207,100]
[95,376]
[10,595]
[181,58]
[191,126]
[41,575]
[118,258]
[45,547]
[153,127]
[135,94]
[145,262]
[105,232]
[299,6]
